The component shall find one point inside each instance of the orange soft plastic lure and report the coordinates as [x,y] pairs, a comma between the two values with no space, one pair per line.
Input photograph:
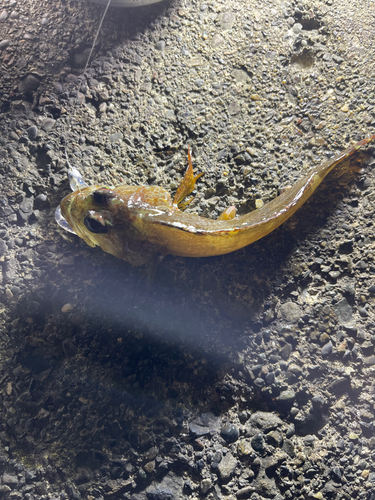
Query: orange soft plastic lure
[141,225]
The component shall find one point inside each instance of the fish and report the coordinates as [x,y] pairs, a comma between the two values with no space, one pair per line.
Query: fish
[142,224]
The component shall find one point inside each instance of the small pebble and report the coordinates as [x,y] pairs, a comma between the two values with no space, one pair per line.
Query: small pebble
[67,308]
[4,44]
[287,395]
[259,382]
[160,45]
[327,349]
[40,200]
[47,124]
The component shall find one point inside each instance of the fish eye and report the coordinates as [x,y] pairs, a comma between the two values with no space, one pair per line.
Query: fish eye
[95,223]
[102,196]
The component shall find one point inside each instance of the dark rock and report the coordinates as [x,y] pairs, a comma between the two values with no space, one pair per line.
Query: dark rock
[170,488]
[275,438]
[286,351]
[270,378]
[257,442]
[259,382]
[336,474]
[32,132]
[29,84]
[230,432]
[216,459]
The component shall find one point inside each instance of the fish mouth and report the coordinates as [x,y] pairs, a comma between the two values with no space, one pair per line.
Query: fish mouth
[76,183]
[70,214]
[61,221]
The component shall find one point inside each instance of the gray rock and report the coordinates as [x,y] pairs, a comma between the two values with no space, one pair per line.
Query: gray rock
[117,136]
[290,312]
[10,269]
[170,488]
[327,349]
[206,485]
[3,248]
[286,351]
[344,312]
[266,487]
[287,395]
[160,45]
[41,200]
[288,447]
[226,467]
[245,492]
[9,479]
[275,438]
[4,44]
[47,124]
[290,431]
[198,430]
[27,205]
[265,421]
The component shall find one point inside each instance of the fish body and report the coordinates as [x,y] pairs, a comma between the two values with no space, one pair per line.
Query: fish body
[140,224]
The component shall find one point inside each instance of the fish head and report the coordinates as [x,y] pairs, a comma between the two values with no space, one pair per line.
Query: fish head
[90,212]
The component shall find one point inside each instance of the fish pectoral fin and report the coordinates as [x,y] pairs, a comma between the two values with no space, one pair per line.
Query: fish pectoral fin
[187,184]
[228,214]
[151,267]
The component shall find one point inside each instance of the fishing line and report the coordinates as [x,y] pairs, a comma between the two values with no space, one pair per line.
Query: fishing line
[97,34]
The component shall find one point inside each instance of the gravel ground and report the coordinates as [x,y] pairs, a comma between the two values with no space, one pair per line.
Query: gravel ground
[249,375]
